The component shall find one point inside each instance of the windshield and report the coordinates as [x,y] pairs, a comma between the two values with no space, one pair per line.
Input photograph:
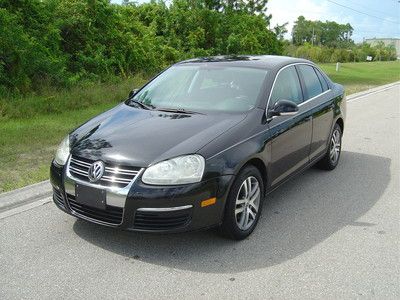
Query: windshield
[204,87]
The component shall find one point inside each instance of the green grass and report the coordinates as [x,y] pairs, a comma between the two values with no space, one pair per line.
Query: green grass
[32,126]
[357,77]
[54,102]
[28,145]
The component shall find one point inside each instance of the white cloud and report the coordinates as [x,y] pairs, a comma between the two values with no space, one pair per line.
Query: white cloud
[287,11]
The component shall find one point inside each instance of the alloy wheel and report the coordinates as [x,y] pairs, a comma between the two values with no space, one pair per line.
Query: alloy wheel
[335,146]
[247,203]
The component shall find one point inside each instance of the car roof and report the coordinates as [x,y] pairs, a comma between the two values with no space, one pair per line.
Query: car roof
[270,62]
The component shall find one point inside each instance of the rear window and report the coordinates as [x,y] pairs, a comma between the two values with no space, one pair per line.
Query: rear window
[311,81]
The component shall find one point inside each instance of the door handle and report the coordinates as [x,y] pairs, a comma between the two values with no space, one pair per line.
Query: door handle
[309,118]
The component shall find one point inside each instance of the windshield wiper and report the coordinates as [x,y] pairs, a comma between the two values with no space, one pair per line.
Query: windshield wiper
[142,105]
[178,110]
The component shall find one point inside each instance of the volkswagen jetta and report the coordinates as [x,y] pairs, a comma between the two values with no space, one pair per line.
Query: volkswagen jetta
[201,145]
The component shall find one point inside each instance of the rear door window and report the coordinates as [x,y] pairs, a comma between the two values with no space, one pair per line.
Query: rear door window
[322,79]
[286,87]
[312,84]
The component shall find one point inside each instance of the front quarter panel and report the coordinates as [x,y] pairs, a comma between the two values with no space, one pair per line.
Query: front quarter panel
[227,154]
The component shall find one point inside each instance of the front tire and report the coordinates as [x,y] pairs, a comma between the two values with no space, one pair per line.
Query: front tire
[331,158]
[244,204]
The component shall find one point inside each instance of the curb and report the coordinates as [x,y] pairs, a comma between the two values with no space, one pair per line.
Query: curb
[373,90]
[43,189]
[25,195]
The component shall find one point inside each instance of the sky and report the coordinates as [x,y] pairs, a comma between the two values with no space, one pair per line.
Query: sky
[376,18]
[369,18]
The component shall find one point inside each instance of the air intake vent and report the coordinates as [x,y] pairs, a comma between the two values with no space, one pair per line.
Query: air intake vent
[111,215]
[158,221]
[58,198]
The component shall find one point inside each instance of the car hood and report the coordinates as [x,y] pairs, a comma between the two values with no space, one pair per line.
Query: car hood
[141,137]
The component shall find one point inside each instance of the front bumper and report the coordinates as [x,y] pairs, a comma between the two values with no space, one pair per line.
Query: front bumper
[148,208]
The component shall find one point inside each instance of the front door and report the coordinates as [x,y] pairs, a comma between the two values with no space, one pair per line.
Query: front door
[291,135]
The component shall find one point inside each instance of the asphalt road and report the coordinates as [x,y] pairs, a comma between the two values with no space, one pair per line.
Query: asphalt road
[325,235]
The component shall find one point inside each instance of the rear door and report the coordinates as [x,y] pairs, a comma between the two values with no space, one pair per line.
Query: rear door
[318,101]
[291,135]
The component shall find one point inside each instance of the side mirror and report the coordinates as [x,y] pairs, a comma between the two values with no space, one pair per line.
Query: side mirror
[283,108]
[133,92]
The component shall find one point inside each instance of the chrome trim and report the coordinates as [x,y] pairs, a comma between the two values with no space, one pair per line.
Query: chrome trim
[273,117]
[116,190]
[113,179]
[314,97]
[116,196]
[276,76]
[289,113]
[81,163]
[121,171]
[158,209]
[80,172]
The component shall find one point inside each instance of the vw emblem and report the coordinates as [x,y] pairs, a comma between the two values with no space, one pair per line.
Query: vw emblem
[96,171]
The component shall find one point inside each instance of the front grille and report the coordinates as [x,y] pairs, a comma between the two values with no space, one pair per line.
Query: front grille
[149,220]
[112,214]
[58,198]
[114,175]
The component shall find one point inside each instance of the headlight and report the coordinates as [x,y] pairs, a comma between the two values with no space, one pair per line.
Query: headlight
[62,152]
[179,170]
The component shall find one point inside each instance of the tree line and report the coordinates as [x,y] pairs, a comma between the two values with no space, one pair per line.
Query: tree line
[353,53]
[61,42]
[331,42]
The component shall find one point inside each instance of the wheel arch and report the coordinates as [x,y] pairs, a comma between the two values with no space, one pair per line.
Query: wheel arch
[340,122]
[260,165]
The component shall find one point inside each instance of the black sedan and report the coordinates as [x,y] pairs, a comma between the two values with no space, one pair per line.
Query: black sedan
[201,145]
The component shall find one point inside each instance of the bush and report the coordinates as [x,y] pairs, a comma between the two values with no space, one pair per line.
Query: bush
[356,53]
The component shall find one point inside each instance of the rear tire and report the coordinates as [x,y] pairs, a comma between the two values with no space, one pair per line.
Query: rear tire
[243,205]
[332,156]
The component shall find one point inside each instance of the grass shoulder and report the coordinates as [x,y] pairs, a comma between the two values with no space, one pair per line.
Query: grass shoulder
[357,77]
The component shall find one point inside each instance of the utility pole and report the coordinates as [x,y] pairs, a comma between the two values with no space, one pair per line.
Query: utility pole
[312,37]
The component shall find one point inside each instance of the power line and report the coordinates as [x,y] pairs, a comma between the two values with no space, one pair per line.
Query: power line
[380,12]
[359,29]
[361,12]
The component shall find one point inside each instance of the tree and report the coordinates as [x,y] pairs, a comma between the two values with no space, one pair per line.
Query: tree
[327,33]
[280,31]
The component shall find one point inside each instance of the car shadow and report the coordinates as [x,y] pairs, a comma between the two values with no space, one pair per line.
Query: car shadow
[296,217]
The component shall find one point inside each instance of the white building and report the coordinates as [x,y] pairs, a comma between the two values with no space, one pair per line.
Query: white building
[387,41]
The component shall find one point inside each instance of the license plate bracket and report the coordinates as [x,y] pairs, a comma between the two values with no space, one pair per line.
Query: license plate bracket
[90,196]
